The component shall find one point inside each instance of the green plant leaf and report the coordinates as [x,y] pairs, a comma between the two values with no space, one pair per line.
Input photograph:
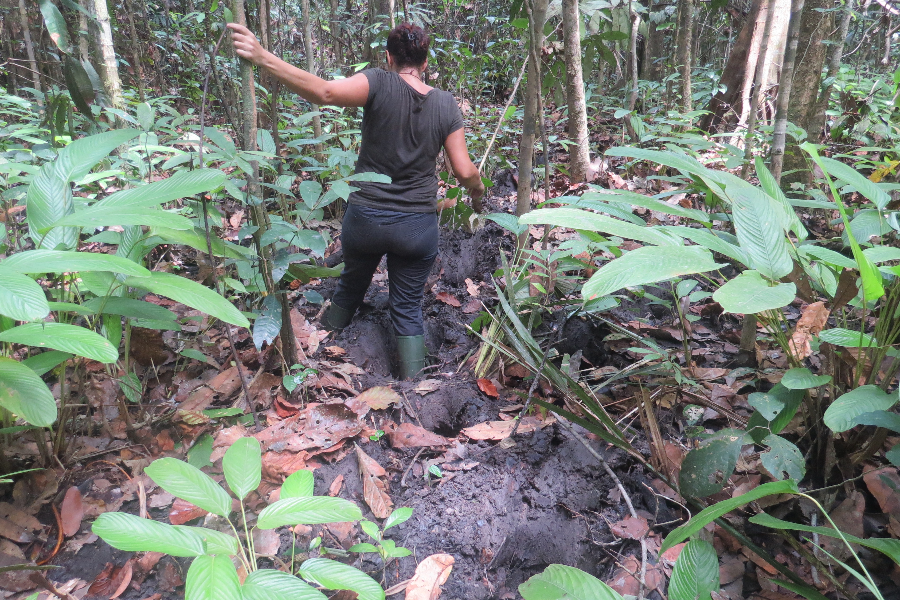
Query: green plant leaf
[400,515]
[21,297]
[46,361]
[269,584]
[190,483]
[307,511]
[57,261]
[362,548]
[808,592]
[576,218]
[758,227]
[803,379]
[635,199]
[706,469]
[855,179]
[333,575]
[192,294]
[696,572]
[749,293]
[242,465]
[56,26]
[180,185]
[711,241]
[61,336]
[79,85]
[782,458]
[299,484]
[650,264]
[790,220]
[24,393]
[560,582]
[134,534]
[842,413]
[711,513]
[102,216]
[216,542]
[212,578]
[196,239]
[847,338]
[880,418]
[768,405]
[129,307]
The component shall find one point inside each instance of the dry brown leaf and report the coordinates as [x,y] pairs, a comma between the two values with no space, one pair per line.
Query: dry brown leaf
[109,582]
[498,430]
[19,517]
[427,386]
[883,484]
[671,555]
[407,435]
[448,298]
[397,588]
[488,387]
[374,487]
[335,488]
[710,374]
[183,511]
[472,306]
[124,577]
[266,542]
[71,512]
[379,398]
[430,575]
[472,287]
[630,528]
[848,516]
[813,319]
[14,532]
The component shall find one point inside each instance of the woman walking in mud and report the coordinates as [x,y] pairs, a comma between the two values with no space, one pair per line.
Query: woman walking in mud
[405,124]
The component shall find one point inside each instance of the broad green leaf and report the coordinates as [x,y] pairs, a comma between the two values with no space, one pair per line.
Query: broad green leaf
[808,592]
[782,458]
[827,255]
[46,361]
[333,575]
[635,199]
[56,25]
[104,216]
[190,483]
[242,465]
[57,261]
[79,84]
[880,254]
[61,336]
[362,548]
[759,231]
[216,542]
[888,546]
[196,239]
[803,379]
[781,402]
[269,584]
[847,338]
[681,162]
[749,293]
[842,413]
[49,196]
[307,511]
[705,470]
[855,179]
[561,582]
[865,225]
[696,572]
[576,218]
[129,307]
[24,393]
[146,115]
[650,264]
[768,405]
[711,241]
[212,578]
[192,294]
[880,418]
[790,220]
[179,185]
[134,534]
[711,513]
[400,515]
[299,484]
[21,298]
[508,222]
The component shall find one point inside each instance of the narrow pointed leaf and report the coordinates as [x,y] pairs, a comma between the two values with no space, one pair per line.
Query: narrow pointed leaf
[576,218]
[269,584]
[104,216]
[190,483]
[134,534]
[308,511]
[561,582]
[696,572]
[212,578]
[21,298]
[180,185]
[242,465]
[192,294]
[333,575]
[299,484]
[61,336]
[24,393]
[56,261]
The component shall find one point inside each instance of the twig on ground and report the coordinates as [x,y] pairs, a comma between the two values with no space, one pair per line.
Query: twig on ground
[409,468]
[408,406]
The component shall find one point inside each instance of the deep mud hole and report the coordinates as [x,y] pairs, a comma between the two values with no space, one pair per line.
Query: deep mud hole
[505,517]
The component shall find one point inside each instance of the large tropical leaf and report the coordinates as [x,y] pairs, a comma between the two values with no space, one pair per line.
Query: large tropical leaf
[21,298]
[61,336]
[706,469]
[212,578]
[299,484]
[712,241]
[758,226]
[196,239]
[24,393]
[576,218]
[308,511]
[192,294]
[842,413]
[333,575]
[56,261]
[857,180]
[696,572]
[635,199]
[56,25]
[269,584]
[749,293]
[790,220]
[242,465]
[560,582]
[847,338]
[134,534]
[216,542]
[650,264]
[179,185]
[129,307]
[783,458]
[190,483]
[104,216]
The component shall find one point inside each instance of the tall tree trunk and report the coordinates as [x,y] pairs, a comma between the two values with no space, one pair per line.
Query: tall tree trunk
[109,68]
[889,30]
[579,153]
[532,90]
[834,62]
[754,58]
[29,50]
[336,34]
[650,68]
[760,89]
[311,67]
[779,135]
[137,58]
[84,32]
[814,26]
[380,11]
[684,41]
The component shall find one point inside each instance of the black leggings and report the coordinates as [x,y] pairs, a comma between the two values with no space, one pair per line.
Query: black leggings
[410,241]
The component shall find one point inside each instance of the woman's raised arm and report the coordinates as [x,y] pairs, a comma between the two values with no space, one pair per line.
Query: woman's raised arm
[353,91]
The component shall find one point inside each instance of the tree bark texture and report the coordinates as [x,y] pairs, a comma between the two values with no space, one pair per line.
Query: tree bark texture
[29,50]
[312,68]
[109,68]
[759,88]
[779,135]
[684,41]
[802,111]
[579,152]
[137,58]
[834,62]
[532,90]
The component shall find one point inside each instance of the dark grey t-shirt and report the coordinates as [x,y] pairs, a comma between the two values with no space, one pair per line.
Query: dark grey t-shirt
[402,133]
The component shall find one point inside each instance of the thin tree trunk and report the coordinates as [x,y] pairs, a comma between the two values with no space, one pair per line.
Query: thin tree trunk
[888,37]
[754,58]
[137,58]
[109,68]
[311,67]
[336,35]
[834,61]
[683,45]
[759,92]
[579,153]
[779,135]
[633,94]
[84,33]
[532,90]
[29,50]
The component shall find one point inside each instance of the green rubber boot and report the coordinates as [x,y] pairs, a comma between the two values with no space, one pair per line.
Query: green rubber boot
[412,355]
[336,318]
